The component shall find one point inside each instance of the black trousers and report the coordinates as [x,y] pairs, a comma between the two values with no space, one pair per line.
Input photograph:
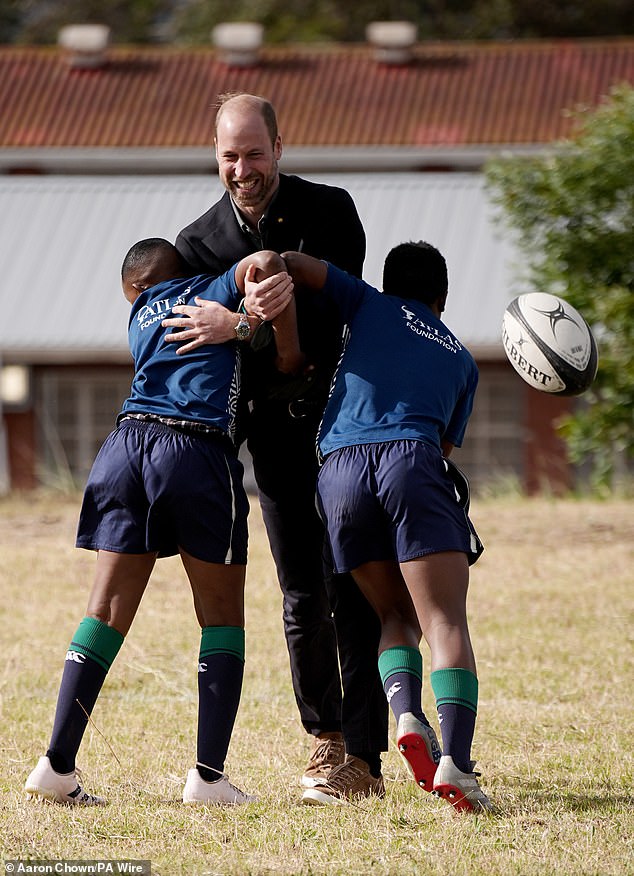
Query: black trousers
[326,658]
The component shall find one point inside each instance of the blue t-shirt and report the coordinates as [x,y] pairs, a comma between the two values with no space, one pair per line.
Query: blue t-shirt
[202,385]
[402,374]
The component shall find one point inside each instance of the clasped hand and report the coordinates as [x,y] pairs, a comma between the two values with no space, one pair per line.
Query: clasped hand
[268,298]
[209,322]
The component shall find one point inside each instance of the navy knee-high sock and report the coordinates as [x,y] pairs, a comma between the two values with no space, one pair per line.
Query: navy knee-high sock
[88,659]
[220,672]
[401,671]
[456,692]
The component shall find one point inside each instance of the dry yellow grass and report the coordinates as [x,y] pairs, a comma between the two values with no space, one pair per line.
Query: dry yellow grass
[551,617]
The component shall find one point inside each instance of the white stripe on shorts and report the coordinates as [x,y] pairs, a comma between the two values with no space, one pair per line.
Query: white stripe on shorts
[229,554]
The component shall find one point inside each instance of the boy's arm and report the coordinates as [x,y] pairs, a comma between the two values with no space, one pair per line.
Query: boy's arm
[306,270]
[290,359]
[257,280]
[265,300]
[209,322]
[266,271]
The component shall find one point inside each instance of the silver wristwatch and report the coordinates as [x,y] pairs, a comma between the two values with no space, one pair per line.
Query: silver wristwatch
[243,329]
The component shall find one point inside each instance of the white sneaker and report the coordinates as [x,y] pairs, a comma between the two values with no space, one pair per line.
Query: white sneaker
[59,787]
[220,792]
[460,789]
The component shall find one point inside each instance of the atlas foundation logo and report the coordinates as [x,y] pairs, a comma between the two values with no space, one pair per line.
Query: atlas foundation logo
[430,332]
[159,310]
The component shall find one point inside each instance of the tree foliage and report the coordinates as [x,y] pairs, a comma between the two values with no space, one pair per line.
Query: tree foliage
[572,212]
[38,21]
[190,21]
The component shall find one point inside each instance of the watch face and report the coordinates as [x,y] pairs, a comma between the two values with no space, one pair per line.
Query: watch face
[243,330]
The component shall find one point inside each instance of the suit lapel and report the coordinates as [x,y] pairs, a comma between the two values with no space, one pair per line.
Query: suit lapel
[225,234]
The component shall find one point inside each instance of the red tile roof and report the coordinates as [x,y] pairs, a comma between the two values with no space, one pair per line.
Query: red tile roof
[454,94]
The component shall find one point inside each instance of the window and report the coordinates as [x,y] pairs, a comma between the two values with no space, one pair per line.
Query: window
[76,409]
[494,444]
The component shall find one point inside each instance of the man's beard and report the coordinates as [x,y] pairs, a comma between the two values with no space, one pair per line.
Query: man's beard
[259,195]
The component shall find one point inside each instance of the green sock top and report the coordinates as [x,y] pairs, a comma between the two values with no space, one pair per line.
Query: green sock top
[97,640]
[222,640]
[459,686]
[401,658]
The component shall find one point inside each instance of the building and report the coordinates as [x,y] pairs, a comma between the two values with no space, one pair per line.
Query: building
[98,150]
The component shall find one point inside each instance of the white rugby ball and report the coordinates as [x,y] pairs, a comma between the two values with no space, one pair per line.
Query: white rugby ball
[549,344]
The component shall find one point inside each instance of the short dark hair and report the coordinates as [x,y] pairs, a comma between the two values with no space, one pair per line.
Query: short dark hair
[264,106]
[150,251]
[415,270]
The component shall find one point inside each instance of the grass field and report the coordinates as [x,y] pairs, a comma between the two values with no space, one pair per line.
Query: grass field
[551,620]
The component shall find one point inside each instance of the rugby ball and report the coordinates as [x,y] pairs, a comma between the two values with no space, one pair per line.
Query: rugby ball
[549,344]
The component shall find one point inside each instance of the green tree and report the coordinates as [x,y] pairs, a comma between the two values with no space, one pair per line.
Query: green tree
[138,21]
[571,18]
[341,20]
[572,213]
[10,20]
[293,21]
[289,21]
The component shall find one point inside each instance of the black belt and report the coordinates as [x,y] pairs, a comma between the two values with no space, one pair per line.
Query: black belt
[189,427]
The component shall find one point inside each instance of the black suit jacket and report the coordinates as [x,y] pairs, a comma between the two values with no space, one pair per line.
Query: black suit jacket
[317,219]
[310,217]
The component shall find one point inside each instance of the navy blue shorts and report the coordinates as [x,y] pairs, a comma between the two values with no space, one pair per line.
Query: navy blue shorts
[155,489]
[392,501]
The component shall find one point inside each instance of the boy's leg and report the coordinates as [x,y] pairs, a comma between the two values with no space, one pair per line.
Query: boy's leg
[88,659]
[456,692]
[120,581]
[219,601]
[220,673]
[438,585]
[401,666]
[384,587]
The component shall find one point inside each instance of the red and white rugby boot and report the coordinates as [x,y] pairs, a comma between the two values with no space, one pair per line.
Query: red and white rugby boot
[460,789]
[419,746]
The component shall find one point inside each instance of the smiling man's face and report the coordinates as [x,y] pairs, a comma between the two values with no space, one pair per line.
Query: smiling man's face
[247,160]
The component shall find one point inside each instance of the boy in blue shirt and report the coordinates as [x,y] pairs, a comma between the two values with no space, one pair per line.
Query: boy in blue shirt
[396,509]
[168,480]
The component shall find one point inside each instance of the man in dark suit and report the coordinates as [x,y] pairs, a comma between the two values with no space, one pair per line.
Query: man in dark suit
[263,208]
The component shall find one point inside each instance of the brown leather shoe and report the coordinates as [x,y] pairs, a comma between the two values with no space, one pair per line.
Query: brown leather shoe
[328,752]
[348,781]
